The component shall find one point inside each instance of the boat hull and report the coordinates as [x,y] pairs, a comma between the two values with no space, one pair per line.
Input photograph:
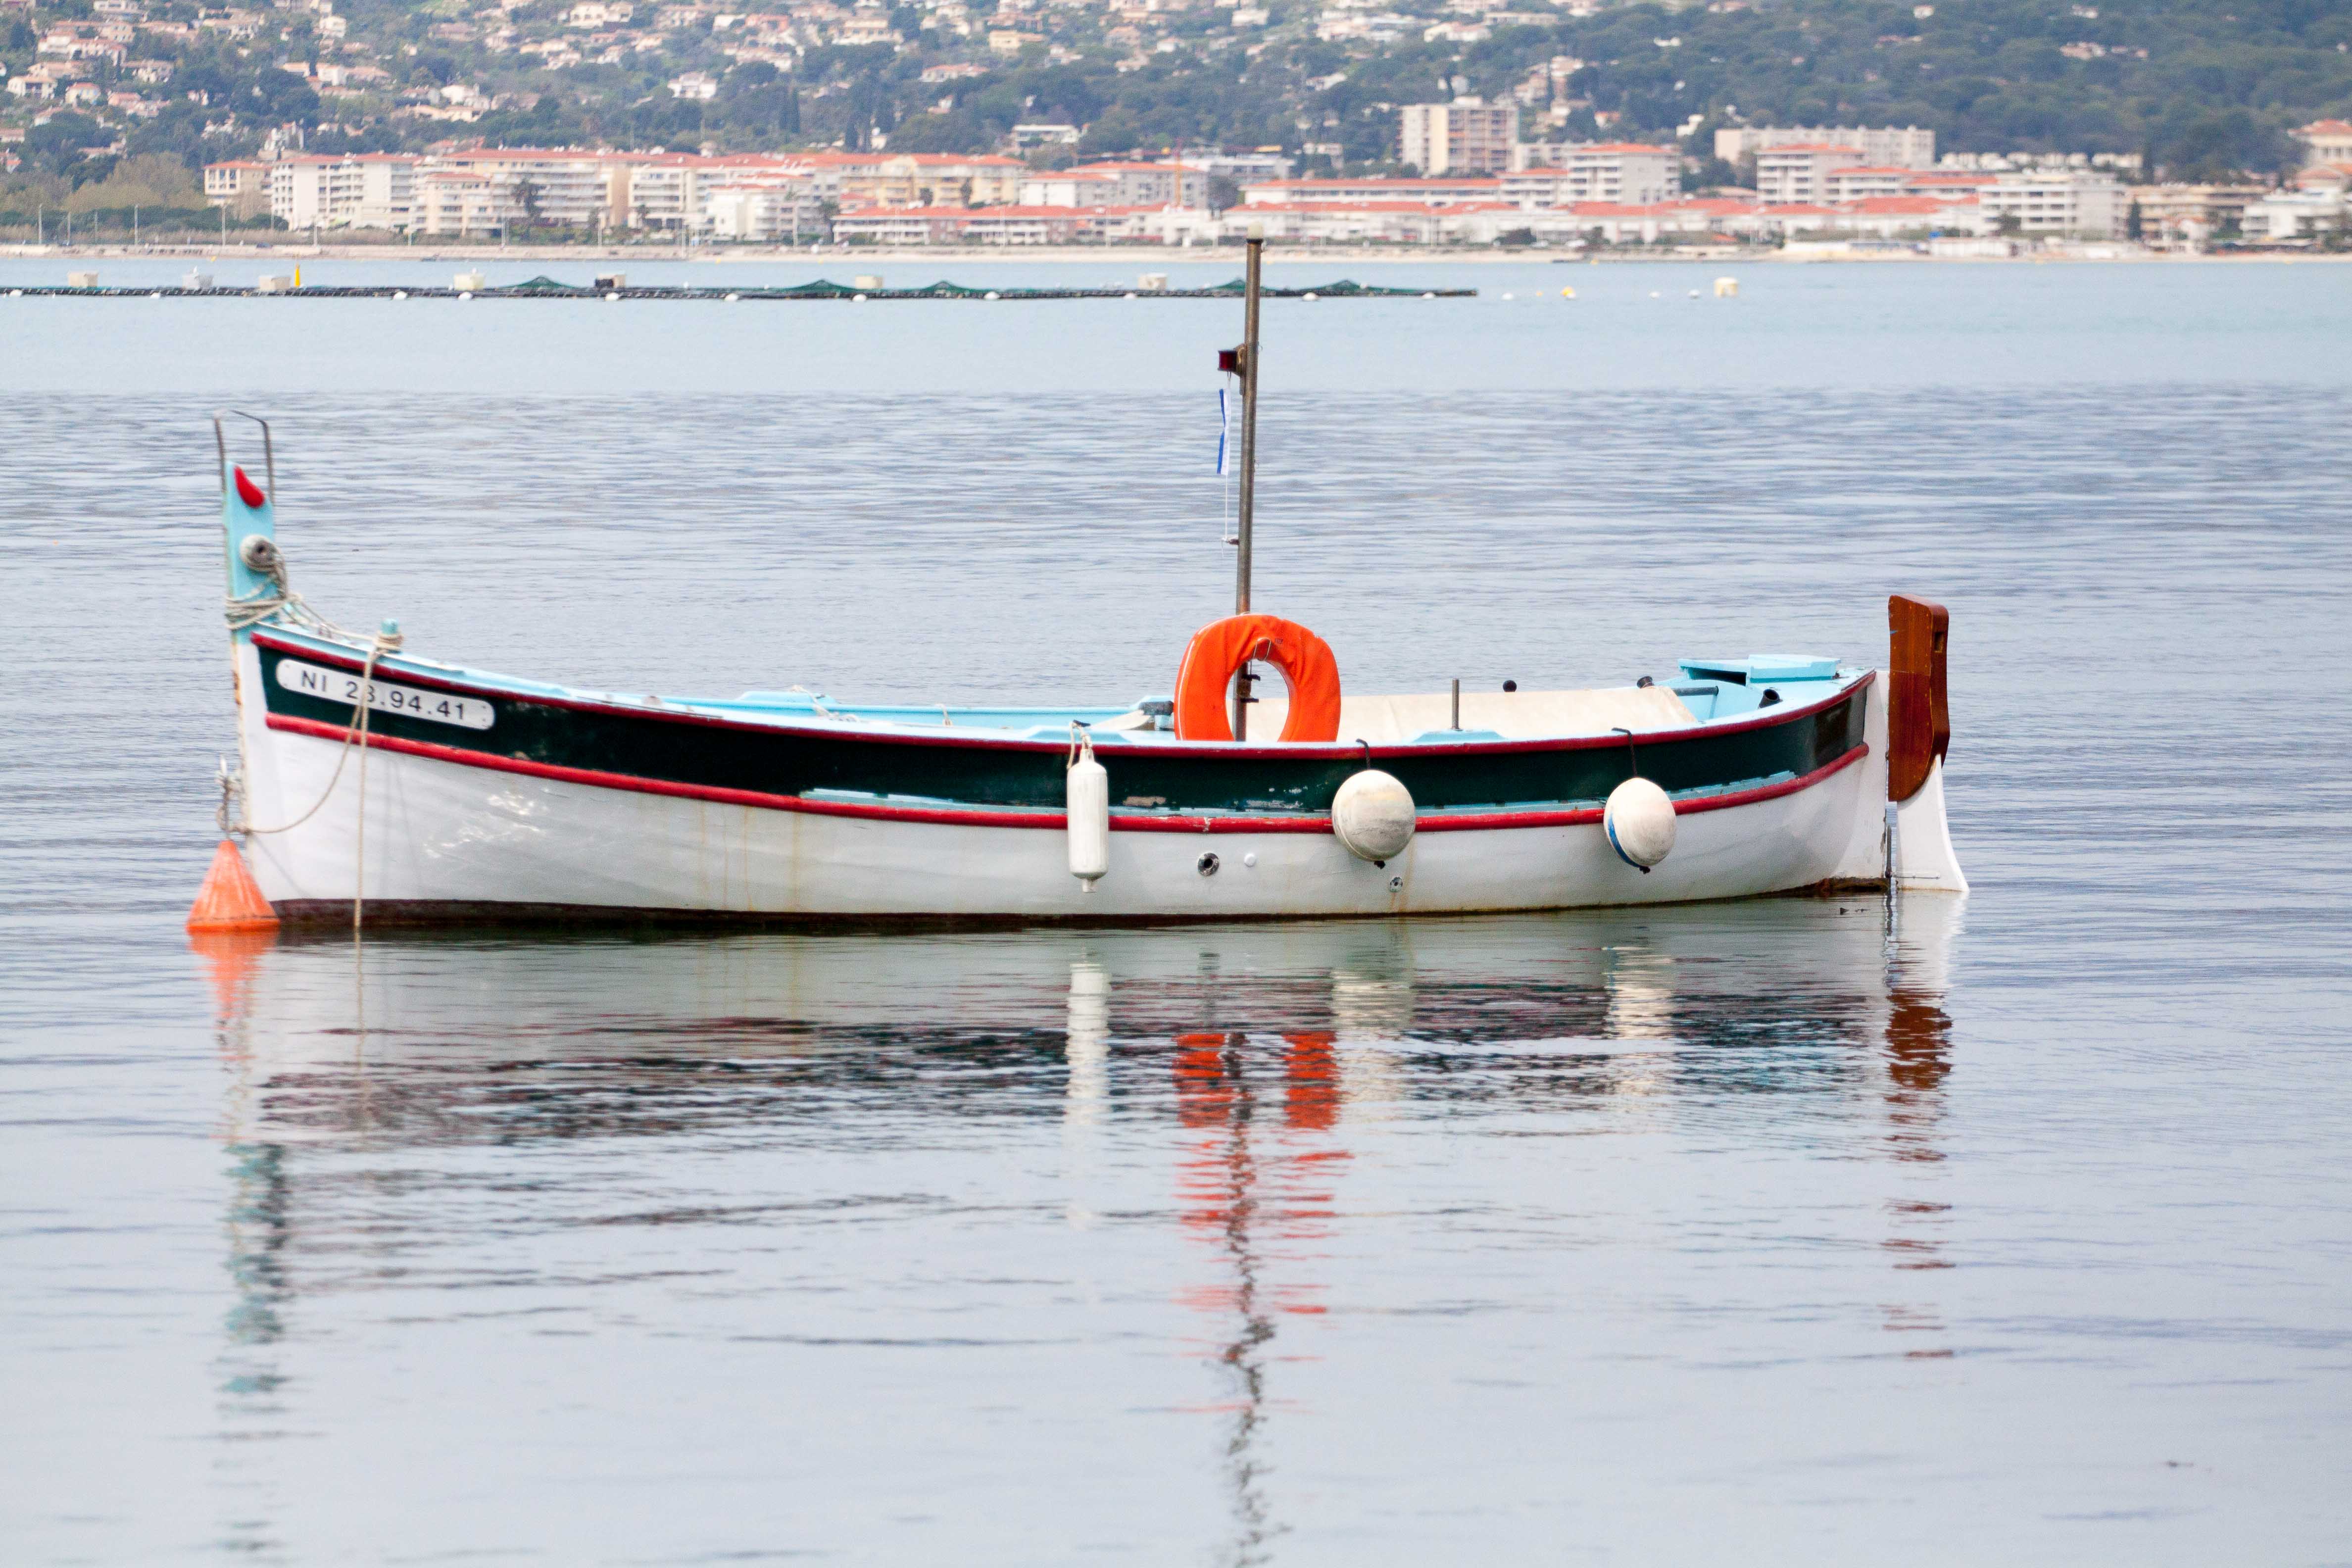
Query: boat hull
[453,837]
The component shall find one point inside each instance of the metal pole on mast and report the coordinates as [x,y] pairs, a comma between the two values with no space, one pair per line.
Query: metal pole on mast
[1246,500]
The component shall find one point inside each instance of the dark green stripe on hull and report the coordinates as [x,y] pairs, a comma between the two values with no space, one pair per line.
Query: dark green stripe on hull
[679,750]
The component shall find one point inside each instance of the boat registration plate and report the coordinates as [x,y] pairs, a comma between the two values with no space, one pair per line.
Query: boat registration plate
[342,686]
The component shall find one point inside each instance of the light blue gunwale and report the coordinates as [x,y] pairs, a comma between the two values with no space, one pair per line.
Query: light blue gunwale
[1710,701]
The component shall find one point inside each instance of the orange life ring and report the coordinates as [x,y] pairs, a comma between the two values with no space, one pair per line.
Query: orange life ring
[1219,649]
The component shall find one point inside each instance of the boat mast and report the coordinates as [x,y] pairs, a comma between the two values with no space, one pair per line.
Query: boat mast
[1248,366]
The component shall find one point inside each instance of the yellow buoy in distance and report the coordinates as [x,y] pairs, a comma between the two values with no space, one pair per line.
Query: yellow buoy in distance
[1568,294]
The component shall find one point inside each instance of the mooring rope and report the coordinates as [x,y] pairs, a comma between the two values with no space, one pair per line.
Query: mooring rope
[265,606]
[386,642]
[245,613]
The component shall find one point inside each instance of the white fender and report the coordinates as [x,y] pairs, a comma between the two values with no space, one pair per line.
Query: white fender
[1087,792]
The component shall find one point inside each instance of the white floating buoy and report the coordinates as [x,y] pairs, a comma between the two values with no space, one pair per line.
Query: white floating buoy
[857,298]
[1373,815]
[1310,294]
[1086,793]
[1508,295]
[732,297]
[1694,294]
[992,294]
[1653,294]
[1640,822]
[400,293]
[157,295]
[1429,296]
[464,294]
[1128,295]
[613,298]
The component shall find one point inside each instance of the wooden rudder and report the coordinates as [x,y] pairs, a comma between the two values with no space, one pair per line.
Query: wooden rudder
[1918,711]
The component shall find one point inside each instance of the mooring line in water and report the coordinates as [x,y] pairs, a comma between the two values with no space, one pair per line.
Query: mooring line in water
[387,639]
[355,730]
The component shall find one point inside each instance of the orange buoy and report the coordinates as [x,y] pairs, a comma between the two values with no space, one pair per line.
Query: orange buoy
[229,899]
[1220,647]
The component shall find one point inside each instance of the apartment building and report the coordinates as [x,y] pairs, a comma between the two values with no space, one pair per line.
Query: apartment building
[2310,210]
[1908,147]
[764,209]
[2326,142]
[1147,184]
[562,187]
[451,202]
[832,171]
[1265,163]
[2170,212]
[1326,192]
[357,190]
[1116,184]
[1800,172]
[1007,226]
[2061,202]
[1467,136]
[1399,222]
[1068,188]
[1860,181]
[1945,182]
[667,193]
[932,179]
[1895,217]
[242,186]
[1561,174]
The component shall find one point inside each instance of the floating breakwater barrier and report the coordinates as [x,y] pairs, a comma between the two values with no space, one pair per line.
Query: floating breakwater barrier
[469,287]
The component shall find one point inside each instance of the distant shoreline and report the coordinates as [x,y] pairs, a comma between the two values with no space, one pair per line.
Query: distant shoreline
[1139,257]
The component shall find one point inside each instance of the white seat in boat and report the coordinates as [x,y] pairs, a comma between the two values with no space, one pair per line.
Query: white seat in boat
[1516,715]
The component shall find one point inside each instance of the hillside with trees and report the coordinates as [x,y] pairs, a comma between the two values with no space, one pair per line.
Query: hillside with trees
[2200,87]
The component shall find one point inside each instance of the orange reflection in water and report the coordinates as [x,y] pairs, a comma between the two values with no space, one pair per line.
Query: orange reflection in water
[1262,1207]
[1918,1060]
[230,958]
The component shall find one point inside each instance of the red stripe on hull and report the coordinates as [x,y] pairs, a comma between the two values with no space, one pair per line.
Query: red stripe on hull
[954,817]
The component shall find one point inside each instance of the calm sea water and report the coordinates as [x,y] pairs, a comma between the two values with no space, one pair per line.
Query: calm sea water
[1806,1231]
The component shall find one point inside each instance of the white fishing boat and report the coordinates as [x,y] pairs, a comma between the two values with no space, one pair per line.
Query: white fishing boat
[377,784]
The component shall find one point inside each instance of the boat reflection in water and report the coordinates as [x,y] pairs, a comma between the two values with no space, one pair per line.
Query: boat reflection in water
[1242,1062]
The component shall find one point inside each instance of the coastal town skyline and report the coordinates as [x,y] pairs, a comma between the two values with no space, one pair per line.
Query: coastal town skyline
[1808,183]
[133,113]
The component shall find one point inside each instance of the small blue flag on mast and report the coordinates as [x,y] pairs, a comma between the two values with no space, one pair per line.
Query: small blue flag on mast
[1225,434]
